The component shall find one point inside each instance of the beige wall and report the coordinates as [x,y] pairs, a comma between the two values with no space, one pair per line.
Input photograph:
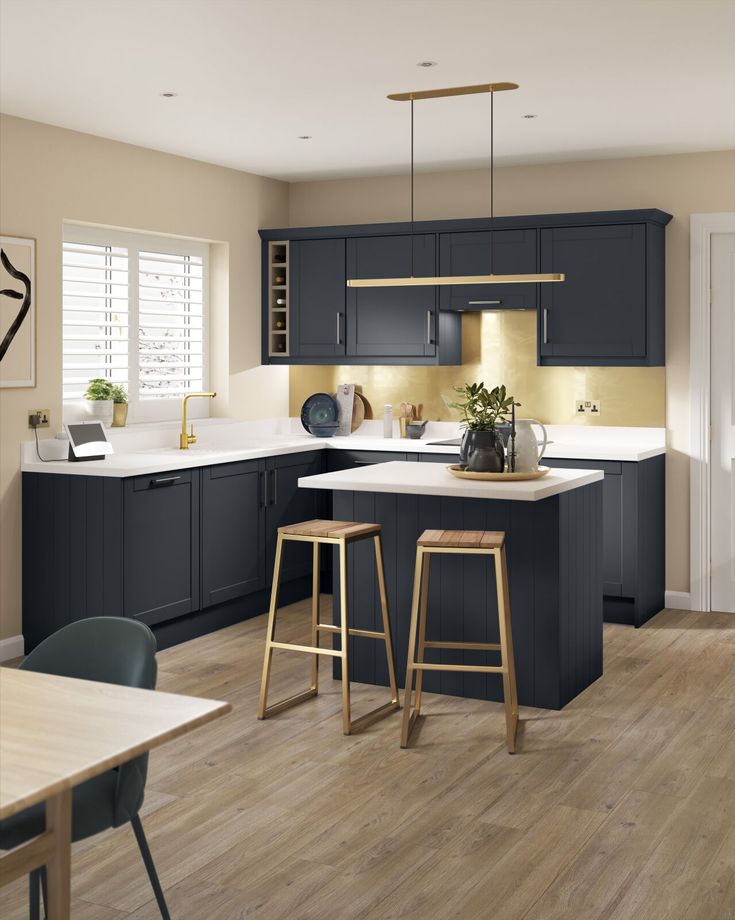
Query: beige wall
[681,185]
[49,175]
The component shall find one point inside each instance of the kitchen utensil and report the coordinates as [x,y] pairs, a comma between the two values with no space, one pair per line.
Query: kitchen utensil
[456,470]
[527,451]
[345,397]
[319,409]
[359,408]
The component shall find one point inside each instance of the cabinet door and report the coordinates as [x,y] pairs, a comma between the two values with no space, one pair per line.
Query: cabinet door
[233,518]
[288,504]
[513,253]
[391,321]
[161,546]
[599,311]
[318,291]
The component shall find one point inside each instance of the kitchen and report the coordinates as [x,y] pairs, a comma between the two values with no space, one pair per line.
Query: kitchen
[616,657]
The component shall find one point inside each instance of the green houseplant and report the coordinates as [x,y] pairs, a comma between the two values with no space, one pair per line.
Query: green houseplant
[120,407]
[99,400]
[482,412]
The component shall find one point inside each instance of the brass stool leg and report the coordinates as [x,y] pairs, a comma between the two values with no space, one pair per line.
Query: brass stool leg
[315,588]
[344,631]
[422,627]
[271,630]
[386,621]
[510,695]
[409,719]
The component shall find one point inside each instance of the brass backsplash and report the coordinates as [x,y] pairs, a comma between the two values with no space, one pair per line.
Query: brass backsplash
[500,347]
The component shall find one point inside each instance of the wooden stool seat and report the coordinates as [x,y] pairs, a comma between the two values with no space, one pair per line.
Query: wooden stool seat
[475,542]
[339,534]
[467,539]
[331,530]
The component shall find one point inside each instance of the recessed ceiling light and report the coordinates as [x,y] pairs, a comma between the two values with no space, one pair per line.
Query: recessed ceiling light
[304,137]
[426,64]
[529,116]
[168,95]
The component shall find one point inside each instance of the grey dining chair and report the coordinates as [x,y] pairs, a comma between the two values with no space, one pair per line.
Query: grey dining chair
[112,650]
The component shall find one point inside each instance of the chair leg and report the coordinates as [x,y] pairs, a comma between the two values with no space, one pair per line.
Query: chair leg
[344,639]
[150,866]
[390,655]
[422,629]
[408,719]
[315,588]
[271,631]
[510,694]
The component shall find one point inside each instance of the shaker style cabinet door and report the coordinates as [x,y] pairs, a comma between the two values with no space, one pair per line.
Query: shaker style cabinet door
[318,291]
[469,253]
[161,546]
[391,321]
[599,311]
[233,518]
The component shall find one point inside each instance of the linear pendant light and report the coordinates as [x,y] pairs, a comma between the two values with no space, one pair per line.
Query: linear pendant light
[492,278]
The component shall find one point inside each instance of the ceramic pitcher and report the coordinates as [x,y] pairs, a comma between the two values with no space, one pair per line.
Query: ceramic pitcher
[528,452]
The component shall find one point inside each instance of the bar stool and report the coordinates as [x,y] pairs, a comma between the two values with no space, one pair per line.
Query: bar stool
[472,542]
[341,534]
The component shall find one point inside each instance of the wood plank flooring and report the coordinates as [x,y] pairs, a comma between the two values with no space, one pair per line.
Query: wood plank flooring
[621,806]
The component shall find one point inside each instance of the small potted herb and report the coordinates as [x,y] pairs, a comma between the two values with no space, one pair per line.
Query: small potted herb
[120,407]
[484,412]
[100,402]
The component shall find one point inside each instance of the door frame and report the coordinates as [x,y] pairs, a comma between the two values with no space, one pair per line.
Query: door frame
[702,227]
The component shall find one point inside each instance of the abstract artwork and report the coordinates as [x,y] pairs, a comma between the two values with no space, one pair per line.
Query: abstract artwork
[17,312]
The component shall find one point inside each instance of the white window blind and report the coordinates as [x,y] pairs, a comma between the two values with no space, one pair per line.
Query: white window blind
[135,313]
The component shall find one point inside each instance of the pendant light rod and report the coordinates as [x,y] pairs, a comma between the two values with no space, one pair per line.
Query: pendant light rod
[412,192]
[492,182]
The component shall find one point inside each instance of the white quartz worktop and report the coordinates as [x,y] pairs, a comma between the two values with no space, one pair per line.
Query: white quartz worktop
[146,449]
[409,478]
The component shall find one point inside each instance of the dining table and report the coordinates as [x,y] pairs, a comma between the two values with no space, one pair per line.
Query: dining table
[57,732]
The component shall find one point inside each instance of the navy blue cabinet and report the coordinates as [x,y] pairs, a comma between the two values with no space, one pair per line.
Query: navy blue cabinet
[161,546]
[318,290]
[391,321]
[233,538]
[513,253]
[610,308]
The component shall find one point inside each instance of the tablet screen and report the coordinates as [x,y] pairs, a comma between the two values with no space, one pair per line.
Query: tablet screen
[88,440]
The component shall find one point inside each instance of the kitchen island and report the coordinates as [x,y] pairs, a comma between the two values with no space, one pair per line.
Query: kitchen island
[553,530]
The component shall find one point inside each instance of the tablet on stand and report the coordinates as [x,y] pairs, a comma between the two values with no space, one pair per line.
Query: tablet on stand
[87,441]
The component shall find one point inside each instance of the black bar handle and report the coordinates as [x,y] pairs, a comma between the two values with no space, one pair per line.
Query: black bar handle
[274,487]
[161,483]
[264,488]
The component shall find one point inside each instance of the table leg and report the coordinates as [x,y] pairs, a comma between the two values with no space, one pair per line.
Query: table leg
[58,821]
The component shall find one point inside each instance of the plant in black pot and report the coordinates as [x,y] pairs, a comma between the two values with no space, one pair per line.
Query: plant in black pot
[483,413]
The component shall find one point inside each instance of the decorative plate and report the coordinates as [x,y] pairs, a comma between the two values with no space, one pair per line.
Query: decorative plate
[319,409]
[455,470]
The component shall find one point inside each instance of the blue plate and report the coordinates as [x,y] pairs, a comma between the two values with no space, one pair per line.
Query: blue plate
[319,409]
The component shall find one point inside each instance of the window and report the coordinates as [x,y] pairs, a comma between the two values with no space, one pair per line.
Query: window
[135,313]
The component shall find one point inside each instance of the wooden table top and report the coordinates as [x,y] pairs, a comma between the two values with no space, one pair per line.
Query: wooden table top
[56,732]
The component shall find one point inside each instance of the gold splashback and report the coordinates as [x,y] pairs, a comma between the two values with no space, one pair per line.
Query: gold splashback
[500,347]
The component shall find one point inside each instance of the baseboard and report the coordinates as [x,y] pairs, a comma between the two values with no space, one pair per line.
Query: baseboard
[13,647]
[678,600]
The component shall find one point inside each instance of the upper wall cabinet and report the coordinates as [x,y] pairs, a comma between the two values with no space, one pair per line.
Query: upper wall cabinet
[610,308]
[504,252]
[609,311]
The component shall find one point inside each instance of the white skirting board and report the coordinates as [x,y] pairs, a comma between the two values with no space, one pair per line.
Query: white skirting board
[11,648]
[678,600]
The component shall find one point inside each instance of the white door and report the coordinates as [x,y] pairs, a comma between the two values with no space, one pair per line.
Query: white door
[723,422]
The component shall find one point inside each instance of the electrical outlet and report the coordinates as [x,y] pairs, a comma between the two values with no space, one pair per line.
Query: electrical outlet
[579,405]
[594,408]
[43,418]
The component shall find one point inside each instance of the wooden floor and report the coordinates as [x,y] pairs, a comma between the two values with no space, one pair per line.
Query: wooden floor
[622,806]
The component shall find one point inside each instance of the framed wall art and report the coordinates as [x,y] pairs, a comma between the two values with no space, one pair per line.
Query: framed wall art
[17,312]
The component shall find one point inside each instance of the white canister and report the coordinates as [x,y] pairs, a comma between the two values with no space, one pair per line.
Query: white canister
[527,450]
[387,421]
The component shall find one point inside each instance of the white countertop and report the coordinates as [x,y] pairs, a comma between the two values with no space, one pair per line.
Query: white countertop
[144,449]
[408,478]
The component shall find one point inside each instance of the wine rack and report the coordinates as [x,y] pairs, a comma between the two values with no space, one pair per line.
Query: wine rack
[278,311]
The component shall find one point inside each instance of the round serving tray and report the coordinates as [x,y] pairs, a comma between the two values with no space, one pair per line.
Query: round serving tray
[455,470]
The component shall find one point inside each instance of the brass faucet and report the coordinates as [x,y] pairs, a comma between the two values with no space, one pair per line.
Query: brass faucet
[186,439]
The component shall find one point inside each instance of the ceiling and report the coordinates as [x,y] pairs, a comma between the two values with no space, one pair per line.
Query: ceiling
[606,78]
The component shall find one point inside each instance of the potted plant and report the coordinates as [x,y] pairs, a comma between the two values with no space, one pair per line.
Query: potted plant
[483,413]
[100,404]
[120,407]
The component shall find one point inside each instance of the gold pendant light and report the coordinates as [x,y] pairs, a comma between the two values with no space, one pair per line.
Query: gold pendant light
[492,278]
